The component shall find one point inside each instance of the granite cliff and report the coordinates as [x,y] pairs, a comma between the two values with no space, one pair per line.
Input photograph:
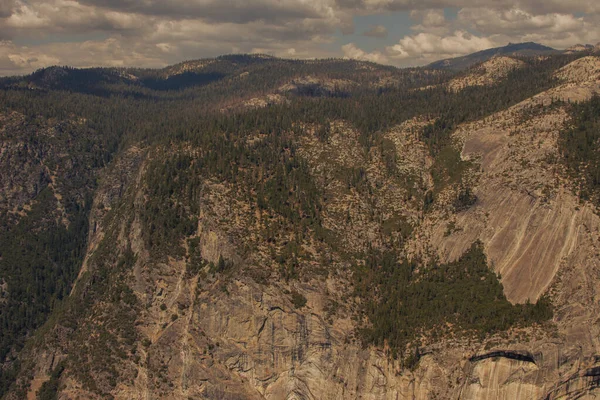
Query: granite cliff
[227,256]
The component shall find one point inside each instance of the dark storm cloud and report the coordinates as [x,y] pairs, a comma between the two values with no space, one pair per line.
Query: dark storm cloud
[6,8]
[214,10]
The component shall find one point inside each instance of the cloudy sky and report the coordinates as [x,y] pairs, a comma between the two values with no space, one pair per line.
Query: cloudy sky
[155,33]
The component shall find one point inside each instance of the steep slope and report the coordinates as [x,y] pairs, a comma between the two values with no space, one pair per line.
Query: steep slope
[582,71]
[48,178]
[536,232]
[514,150]
[487,73]
[231,338]
[180,329]
[61,127]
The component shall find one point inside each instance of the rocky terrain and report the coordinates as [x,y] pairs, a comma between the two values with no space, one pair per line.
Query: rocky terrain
[486,73]
[583,47]
[224,252]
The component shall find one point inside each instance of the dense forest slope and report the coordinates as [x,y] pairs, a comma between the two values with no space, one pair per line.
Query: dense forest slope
[248,227]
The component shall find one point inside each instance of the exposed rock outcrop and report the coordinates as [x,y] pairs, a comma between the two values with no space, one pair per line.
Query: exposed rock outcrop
[239,332]
[488,73]
[313,86]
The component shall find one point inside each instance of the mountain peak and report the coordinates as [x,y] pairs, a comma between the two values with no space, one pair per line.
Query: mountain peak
[511,49]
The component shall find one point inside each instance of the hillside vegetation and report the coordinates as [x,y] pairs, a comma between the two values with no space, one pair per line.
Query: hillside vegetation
[136,200]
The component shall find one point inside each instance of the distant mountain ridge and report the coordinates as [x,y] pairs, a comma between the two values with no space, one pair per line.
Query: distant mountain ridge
[512,49]
[187,74]
[583,47]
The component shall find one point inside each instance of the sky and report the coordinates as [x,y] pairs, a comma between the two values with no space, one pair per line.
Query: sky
[155,33]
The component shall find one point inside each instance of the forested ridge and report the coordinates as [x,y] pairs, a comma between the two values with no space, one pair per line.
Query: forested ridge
[579,148]
[193,117]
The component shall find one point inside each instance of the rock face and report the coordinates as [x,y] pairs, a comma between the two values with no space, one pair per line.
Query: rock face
[530,223]
[234,339]
[182,331]
[503,379]
[487,73]
[256,102]
[536,234]
[312,86]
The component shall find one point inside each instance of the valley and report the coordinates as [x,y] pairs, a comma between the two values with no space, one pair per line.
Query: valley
[249,227]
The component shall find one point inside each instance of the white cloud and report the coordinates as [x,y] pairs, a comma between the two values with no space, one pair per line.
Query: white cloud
[14,59]
[431,21]
[518,25]
[516,21]
[159,32]
[351,51]
[430,18]
[426,47]
[437,37]
[153,32]
[111,52]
